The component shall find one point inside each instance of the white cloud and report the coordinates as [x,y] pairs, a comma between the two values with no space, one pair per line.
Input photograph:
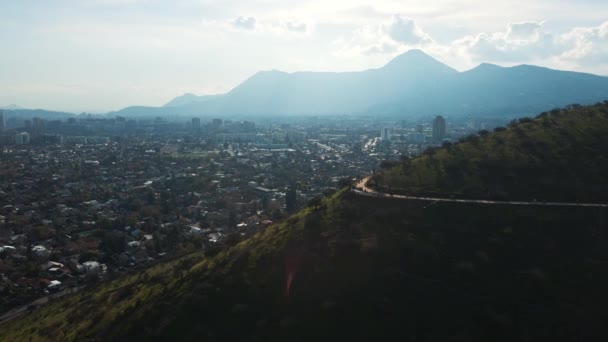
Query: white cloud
[582,49]
[261,25]
[405,31]
[524,31]
[398,33]
[245,23]
[519,42]
[587,46]
[363,11]
[295,26]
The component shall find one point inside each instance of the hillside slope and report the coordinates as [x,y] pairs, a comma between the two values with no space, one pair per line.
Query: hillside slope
[559,156]
[359,268]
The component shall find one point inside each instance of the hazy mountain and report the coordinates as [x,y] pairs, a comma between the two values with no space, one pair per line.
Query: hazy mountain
[140,111]
[187,99]
[34,113]
[411,84]
[184,104]
[11,107]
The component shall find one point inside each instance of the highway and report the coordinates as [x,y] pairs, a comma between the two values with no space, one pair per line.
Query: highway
[362,190]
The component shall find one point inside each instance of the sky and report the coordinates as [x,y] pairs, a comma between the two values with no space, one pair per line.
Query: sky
[104,55]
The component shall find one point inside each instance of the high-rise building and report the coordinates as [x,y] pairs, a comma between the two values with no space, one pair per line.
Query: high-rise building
[22,138]
[39,124]
[1,121]
[196,124]
[385,134]
[131,125]
[438,129]
[217,123]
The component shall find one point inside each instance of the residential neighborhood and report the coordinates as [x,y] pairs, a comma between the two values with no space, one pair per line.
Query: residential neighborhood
[124,194]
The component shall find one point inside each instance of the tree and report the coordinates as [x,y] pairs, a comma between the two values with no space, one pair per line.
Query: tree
[232,239]
[388,164]
[172,237]
[113,243]
[525,120]
[314,202]
[232,219]
[344,182]
[291,200]
[150,197]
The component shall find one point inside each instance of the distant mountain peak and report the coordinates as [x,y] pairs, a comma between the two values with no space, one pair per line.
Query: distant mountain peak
[271,72]
[417,59]
[187,98]
[489,65]
[11,107]
[486,67]
[416,52]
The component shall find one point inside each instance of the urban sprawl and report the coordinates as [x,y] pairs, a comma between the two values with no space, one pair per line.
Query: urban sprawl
[87,198]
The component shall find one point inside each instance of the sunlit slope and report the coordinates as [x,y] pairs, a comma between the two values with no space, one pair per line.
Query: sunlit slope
[560,155]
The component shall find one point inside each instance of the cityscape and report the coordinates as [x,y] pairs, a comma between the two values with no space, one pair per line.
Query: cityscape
[89,198]
[200,170]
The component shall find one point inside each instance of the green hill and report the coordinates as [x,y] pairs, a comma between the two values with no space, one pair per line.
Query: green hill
[559,156]
[361,268]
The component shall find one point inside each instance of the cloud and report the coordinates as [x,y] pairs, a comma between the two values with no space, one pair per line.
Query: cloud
[245,23]
[586,46]
[363,11]
[398,33]
[583,48]
[366,40]
[519,42]
[275,26]
[405,31]
[523,31]
[382,48]
[295,26]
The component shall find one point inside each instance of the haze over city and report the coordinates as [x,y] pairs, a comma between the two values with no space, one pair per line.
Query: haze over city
[98,56]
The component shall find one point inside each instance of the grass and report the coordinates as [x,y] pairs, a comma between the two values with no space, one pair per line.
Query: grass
[554,157]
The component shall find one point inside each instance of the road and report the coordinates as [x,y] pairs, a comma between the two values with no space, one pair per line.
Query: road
[362,190]
[325,147]
[22,310]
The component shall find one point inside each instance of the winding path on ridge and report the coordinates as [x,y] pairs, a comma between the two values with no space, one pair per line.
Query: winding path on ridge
[362,190]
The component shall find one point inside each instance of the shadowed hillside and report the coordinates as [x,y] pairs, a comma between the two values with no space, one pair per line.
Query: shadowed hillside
[361,268]
[358,268]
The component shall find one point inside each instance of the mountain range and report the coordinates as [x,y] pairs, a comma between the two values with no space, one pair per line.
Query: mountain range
[412,84]
[10,107]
